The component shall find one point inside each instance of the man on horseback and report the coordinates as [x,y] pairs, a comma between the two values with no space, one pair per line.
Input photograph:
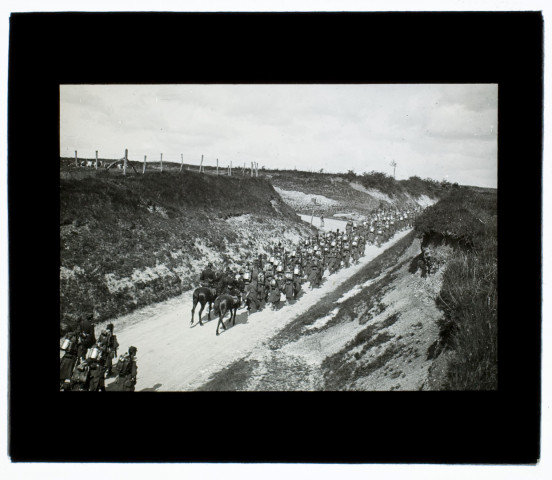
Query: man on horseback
[207,278]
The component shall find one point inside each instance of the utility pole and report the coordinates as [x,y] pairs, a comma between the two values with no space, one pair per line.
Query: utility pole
[393,164]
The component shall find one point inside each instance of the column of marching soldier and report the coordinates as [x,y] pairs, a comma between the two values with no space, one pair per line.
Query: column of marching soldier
[270,279]
[274,278]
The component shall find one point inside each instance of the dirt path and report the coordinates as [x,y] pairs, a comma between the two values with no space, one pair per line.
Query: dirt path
[174,357]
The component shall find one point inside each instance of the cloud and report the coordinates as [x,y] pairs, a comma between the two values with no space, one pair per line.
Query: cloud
[429,130]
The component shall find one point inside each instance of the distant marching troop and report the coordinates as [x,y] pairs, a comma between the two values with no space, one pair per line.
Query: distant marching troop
[274,278]
[270,279]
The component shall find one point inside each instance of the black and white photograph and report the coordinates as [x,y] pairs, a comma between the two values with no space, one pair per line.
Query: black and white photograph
[278,237]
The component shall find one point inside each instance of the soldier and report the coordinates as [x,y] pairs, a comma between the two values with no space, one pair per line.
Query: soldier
[387,231]
[111,345]
[280,280]
[354,249]
[239,283]
[326,258]
[255,270]
[207,277]
[332,260]
[80,377]
[251,295]
[274,294]
[379,234]
[371,235]
[349,227]
[128,370]
[261,289]
[313,274]
[288,287]
[361,245]
[87,337]
[297,277]
[269,276]
[96,363]
[346,256]
[68,361]
[320,270]
[228,282]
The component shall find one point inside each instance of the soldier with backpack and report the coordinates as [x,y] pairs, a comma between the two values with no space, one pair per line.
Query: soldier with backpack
[68,361]
[87,337]
[81,377]
[109,341]
[127,371]
[96,362]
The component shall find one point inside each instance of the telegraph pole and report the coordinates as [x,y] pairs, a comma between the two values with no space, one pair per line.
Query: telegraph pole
[393,164]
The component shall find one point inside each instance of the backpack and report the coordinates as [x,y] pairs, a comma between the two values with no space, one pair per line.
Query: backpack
[124,364]
[105,338]
[80,374]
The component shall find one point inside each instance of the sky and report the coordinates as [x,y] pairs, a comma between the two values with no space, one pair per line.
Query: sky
[438,131]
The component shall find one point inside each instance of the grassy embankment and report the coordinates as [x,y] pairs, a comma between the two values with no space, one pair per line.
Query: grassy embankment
[467,221]
[126,242]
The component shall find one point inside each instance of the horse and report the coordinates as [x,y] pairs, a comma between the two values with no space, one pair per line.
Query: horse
[203,295]
[226,303]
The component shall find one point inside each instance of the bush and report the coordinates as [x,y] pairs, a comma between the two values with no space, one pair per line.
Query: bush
[457,218]
[468,296]
[469,299]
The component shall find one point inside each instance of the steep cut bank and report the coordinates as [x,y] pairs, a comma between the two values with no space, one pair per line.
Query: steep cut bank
[336,194]
[129,241]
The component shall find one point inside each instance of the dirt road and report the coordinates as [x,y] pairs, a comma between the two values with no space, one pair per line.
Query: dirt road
[172,356]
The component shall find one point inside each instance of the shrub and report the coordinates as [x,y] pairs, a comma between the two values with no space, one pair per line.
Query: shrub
[468,296]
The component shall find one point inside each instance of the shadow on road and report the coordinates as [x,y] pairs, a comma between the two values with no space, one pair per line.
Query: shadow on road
[151,389]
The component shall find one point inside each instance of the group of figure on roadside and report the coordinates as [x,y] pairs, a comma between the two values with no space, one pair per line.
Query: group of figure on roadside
[88,361]
[280,276]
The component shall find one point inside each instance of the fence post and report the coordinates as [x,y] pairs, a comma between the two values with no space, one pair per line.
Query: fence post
[201,164]
[145,160]
[96,159]
[76,162]
[182,164]
[161,163]
[126,160]
[217,166]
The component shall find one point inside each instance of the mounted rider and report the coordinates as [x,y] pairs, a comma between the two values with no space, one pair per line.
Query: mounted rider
[208,278]
[228,282]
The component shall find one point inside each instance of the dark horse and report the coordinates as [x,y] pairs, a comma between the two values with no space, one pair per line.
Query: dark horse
[203,295]
[226,303]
